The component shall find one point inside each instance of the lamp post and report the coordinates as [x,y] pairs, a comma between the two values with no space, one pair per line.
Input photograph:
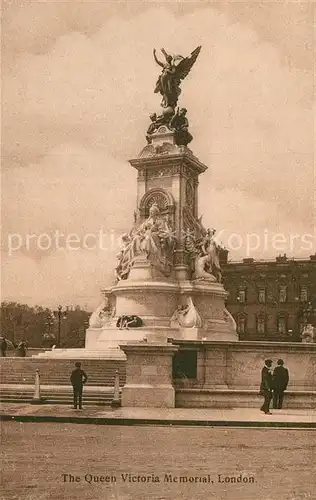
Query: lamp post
[49,338]
[61,314]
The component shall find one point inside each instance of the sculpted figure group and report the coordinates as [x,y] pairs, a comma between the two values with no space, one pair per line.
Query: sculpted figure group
[174,70]
[205,252]
[153,239]
[177,123]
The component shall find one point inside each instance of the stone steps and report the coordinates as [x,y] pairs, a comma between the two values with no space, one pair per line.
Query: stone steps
[57,371]
[57,395]
[111,354]
[22,379]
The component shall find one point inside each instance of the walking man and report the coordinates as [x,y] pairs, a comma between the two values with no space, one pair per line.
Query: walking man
[280,382]
[78,378]
[266,386]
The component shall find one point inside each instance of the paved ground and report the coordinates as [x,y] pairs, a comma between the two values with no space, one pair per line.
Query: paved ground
[39,460]
[177,416]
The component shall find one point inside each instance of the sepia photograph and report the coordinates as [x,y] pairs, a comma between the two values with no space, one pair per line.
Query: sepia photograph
[158,258]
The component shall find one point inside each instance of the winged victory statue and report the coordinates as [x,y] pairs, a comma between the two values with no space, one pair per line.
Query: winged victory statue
[174,69]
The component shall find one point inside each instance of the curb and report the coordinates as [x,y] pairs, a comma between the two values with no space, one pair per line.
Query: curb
[159,422]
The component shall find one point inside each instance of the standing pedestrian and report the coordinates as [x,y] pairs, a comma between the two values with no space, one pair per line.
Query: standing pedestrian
[266,386]
[3,347]
[280,382]
[78,378]
[21,348]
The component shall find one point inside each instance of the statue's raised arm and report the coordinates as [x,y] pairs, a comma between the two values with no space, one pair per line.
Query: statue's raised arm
[156,59]
[175,69]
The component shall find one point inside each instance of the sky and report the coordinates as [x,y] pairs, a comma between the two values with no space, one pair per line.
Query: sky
[77,91]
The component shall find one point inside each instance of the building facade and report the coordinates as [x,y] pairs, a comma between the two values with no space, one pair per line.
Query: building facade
[271,300]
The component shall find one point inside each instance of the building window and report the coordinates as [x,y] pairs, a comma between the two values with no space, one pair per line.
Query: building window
[282,294]
[241,324]
[261,324]
[282,325]
[241,296]
[303,294]
[262,295]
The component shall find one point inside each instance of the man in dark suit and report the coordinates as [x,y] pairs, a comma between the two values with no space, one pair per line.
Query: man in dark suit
[280,382]
[78,378]
[266,386]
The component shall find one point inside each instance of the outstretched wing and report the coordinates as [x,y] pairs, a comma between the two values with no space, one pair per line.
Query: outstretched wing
[184,66]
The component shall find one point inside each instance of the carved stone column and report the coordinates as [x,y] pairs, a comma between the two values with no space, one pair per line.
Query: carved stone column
[168,175]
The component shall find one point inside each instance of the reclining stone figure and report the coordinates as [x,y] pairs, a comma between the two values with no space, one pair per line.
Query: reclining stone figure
[129,322]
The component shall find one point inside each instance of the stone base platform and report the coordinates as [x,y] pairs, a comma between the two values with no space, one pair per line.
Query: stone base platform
[159,302]
[240,398]
[197,417]
[108,353]
[148,396]
[225,374]
[108,339]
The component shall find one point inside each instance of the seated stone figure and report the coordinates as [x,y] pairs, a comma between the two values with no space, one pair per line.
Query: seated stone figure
[204,253]
[180,124]
[203,268]
[129,322]
[208,246]
[156,121]
[153,239]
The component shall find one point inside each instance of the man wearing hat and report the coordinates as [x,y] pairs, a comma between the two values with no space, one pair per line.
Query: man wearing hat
[78,378]
[266,386]
[280,382]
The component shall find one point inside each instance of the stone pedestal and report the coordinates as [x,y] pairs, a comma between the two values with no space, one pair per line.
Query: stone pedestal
[155,266]
[149,375]
[155,303]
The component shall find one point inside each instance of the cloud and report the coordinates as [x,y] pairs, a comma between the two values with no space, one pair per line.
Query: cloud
[56,279]
[230,216]
[77,109]
[72,189]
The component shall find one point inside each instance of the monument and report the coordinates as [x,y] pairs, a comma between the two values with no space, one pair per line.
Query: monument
[165,314]
[168,269]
